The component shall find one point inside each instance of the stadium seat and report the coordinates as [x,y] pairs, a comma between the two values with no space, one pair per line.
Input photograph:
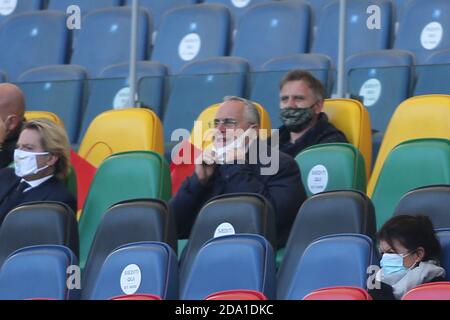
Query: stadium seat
[58,89]
[360,38]
[125,223]
[226,215]
[429,291]
[22,39]
[273,20]
[325,214]
[191,33]
[40,223]
[265,85]
[86,6]
[30,115]
[237,295]
[3,77]
[137,268]
[434,76]
[339,293]
[233,262]
[353,119]
[332,166]
[336,260]
[423,28]
[109,30]
[412,164]
[119,131]
[138,297]
[382,80]
[11,8]
[112,90]
[444,238]
[432,201]
[39,272]
[211,79]
[317,7]
[124,176]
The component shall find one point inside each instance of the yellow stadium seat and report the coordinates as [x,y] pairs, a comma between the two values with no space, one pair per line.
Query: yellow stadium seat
[30,115]
[117,131]
[418,117]
[352,118]
[207,116]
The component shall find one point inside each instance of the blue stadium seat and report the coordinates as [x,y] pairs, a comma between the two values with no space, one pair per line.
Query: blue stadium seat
[31,40]
[3,77]
[58,89]
[434,76]
[111,90]
[335,260]
[400,8]
[104,39]
[86,6]
[243,262]
[265,85]
[273,21]
[382,80]
[124,223]
[11,8]
[444,238]
[138,268]
[211,80]
[316,9]
[39,272]
[359,37]
[424,28]
[191,33]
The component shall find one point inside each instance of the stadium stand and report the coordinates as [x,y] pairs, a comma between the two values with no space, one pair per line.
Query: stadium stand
[433,77]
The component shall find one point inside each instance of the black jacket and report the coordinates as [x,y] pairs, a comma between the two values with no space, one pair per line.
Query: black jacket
[284,190]
[50,190]
[7,152]
[322,132]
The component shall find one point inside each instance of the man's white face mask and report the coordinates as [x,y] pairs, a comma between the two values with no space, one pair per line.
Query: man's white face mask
[25,163]
[237,144]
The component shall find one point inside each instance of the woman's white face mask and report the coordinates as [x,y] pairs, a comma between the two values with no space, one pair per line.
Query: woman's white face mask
[25,163]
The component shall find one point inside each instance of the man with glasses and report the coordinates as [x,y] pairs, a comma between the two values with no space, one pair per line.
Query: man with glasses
[226,168]
[301,104]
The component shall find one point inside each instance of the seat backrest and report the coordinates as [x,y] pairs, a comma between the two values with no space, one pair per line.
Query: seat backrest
[119,131]
[382,79]
[432,201]
[237,295]
[110,30]
[360,38]
[353,119]
[332,166]
[138,297]
[423,28]
[429,291]
[418,117]
[125,223]
[226,215]
[434,75]
[336,260]
[229,263]
[46,223]
[38,272]
[137,268]
[58,89]
[444,239]
[190,33]
[273,20]
[124,176]
[30,115]
[339,293]
[326,214]
[11,8]
[414,164]
[25,33]
[86,6]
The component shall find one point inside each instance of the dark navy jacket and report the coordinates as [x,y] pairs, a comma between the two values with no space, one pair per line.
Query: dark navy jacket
[284,190]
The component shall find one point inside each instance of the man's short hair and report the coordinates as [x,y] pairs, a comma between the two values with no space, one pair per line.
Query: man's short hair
[313,83]
[251,111]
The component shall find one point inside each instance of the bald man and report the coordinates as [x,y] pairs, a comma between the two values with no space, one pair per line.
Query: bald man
[12,110]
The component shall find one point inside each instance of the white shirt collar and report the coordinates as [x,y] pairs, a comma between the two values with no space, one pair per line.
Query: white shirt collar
[35,183]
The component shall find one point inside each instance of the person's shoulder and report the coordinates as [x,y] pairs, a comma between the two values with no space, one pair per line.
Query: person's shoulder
[7,174]
[287,162]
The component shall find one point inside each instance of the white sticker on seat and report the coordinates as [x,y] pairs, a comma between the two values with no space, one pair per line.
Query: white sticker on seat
[7,7]
[130,280]
[122,99]
[225,229]
[318,179]
[371,92]
[431,35]
[240,3]
[189,47]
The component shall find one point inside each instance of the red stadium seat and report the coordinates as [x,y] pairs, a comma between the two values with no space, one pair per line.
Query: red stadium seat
[237,295]
[138,297]
[429,291]
[339,293]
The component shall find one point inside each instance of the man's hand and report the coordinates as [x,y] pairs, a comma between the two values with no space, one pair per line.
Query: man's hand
[205,170]
[2,132]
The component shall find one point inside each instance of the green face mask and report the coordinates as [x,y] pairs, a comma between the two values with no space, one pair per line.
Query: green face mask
[297,119]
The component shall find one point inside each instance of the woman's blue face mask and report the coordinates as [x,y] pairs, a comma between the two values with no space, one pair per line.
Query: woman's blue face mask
[393,262]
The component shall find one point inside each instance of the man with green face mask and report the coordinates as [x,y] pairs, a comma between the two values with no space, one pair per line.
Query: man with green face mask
[304,123]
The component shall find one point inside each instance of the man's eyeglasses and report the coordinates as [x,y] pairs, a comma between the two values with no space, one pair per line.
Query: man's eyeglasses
[227,123]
